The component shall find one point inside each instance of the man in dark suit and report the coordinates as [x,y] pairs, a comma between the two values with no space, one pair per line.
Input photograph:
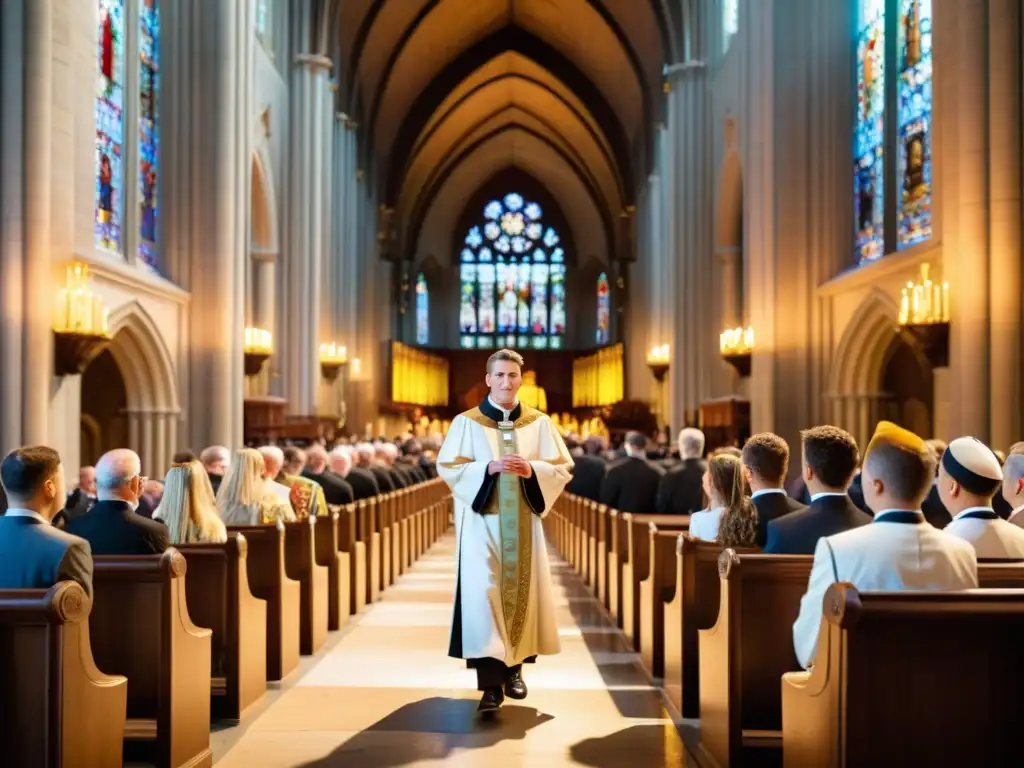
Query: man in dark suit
[364,459]
[409,460]
[34,554]
[336,489]
[681,491]
[631,484]
[386,453]
[81,499]
[829,461]
[112,527]
[589,471]
[765,464]
[215,461]
[935,511]
[364,484]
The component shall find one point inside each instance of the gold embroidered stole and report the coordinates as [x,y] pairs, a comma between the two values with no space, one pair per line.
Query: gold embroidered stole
[516,540]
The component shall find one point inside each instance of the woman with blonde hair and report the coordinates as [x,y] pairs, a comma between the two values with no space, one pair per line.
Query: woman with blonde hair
[731,519]
[188,507]
[244,499]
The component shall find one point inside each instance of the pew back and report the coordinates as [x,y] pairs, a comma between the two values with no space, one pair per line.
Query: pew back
[57,710]
[909,678]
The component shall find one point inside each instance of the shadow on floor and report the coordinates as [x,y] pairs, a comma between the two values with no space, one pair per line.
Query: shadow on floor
[636,745]
[430,730]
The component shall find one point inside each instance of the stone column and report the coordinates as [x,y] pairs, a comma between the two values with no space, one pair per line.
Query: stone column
[732,295]
[264,311]
[37,366]
[207,145]
[13,45]
[305,249]
[694,338]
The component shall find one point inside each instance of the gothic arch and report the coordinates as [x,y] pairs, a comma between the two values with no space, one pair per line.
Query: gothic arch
[144,360]
[729,221]
[264,203]
[861,355]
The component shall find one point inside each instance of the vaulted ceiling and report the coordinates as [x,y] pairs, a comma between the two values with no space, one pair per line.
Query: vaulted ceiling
[450,92]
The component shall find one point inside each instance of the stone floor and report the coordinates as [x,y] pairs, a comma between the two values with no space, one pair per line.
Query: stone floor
[383,693]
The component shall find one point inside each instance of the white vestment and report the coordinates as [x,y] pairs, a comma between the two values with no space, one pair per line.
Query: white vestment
[481,627]
[883,556]
[991,538]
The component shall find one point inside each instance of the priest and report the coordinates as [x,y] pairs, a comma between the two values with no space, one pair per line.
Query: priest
[506,465]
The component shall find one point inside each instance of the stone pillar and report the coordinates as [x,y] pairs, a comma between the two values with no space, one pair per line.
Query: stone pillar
[305,255]
[37,367]
[12,164]
[732,294]
[264,312]
[694,338]
[207,145]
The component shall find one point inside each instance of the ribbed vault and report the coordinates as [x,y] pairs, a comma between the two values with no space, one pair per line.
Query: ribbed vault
[448,93]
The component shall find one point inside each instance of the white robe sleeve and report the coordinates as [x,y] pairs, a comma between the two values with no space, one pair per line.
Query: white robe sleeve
[553,470]
[458,466]
[808,622]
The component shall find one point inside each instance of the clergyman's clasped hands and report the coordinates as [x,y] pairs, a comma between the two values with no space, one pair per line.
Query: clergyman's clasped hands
[513,464]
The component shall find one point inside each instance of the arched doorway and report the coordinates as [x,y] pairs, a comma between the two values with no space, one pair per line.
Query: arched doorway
[907,380]
[103,420]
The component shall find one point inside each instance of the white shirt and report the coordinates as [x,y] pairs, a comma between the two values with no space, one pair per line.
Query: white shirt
[823,494]
[704,524]
[282,491]
[17,512]
[505,412]
[765,492]
[991,538]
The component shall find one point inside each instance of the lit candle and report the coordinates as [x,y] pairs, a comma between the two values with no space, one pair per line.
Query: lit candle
[105,327]
[904,307]
[927,301]
[917,304]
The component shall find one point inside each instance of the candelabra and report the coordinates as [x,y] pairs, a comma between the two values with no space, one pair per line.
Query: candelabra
[658,360]
[81,327]
[924,317]
[259,346]
[332,358]
[736,345]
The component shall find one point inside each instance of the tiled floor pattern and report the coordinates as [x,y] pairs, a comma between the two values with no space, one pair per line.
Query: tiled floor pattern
[386,694]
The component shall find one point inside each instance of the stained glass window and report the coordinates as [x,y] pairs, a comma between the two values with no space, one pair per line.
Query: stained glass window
[730,20]
[603,302]
[869,154]
[915,117]
[512,276]
[149,131]
[422,310]
[110,125]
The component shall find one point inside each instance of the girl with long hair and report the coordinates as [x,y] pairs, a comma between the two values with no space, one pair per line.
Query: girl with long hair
[731,518]
[244,499]
[188,508]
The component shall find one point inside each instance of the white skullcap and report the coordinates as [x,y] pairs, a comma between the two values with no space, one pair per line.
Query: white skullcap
[972,464]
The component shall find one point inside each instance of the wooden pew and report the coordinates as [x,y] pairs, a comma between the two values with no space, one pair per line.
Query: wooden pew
[386,506]
[636,564]
[601,552]
[371,537]
[694,606]
[349,544]
[300,565]
[140,628]
[746,652]
[655,590]
[269,581]
[219,598]
[909,678]
[328,554]
[57,710]
[1008,575]
[616,548]
[395,536]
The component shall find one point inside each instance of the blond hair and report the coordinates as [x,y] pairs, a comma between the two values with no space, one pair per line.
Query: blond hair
[242,491]
[738,526]
[188,507]
[509,355]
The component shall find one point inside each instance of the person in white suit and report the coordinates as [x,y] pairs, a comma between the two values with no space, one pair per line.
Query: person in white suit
[969,477]
[899,550]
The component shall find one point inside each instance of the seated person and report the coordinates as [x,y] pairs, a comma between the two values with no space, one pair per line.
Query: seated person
[829,461]
[934,510]
[336,489]
[719,480]
[244,498]
[188,507]
[1013,483]
[631,485]
[81,499]
[215,460]
[899,550]
[680,491]
[364,484]
[738,524]
[969,476]
[34,554]
[112,527]
[306,496]
[765,464]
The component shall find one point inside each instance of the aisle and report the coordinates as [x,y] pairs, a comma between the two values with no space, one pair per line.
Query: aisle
[387,695]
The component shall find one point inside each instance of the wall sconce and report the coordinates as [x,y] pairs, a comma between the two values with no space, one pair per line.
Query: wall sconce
[658,360]
[332,358]
[736,345]
[81,323]
[924,317]
[259,346]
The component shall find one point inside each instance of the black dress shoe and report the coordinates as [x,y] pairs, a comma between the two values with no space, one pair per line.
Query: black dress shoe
[515,687]
[491,700]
